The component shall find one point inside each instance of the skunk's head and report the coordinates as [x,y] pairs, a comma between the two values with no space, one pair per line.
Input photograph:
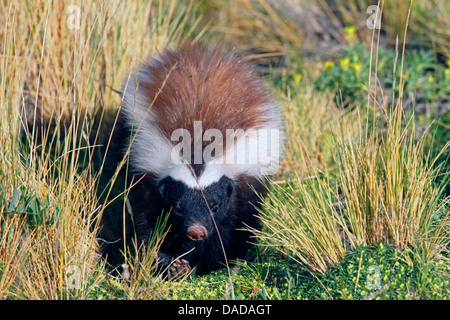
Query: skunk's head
[193,209]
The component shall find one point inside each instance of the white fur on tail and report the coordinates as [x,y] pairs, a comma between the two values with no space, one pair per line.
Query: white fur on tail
[255,153]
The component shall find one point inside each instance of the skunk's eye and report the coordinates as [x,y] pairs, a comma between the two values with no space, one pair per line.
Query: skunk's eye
[214,207]
[177,210]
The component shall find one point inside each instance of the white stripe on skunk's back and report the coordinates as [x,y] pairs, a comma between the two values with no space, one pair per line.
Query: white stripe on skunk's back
[202,106]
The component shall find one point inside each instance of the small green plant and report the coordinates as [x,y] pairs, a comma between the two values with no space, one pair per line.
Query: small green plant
[424,81]
[382,272]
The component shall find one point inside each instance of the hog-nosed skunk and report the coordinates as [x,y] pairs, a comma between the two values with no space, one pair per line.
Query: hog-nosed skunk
[205,136]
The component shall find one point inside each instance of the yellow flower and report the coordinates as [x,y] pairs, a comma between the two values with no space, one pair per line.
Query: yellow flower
[357,66]
[350,33]
[447,73]
[297,78]
[430,78]
[328,65]
[344,63]
[421,119]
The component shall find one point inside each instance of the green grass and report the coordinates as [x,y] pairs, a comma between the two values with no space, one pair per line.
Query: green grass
[370,272]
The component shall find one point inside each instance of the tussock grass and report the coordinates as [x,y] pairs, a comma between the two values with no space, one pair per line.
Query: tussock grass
[383,190]
[388,188]
[143,282]
[301,221]
[13,247]
[312,119]
[62,64]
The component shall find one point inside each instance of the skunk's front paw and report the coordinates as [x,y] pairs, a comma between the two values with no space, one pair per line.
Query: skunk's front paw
[178,268]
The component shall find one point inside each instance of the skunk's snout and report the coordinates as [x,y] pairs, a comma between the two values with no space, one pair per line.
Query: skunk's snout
[197,232]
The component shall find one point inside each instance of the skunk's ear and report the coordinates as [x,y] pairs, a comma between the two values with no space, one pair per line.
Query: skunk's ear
[228,185]
[163,187]
[230,188]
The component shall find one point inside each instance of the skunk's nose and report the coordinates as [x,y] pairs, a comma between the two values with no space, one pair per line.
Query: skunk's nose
[197,232]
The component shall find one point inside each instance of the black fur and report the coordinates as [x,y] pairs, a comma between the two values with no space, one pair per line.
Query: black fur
[232,204]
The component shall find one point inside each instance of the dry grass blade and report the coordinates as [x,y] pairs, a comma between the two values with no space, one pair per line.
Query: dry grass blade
[144,282]
[13,251]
